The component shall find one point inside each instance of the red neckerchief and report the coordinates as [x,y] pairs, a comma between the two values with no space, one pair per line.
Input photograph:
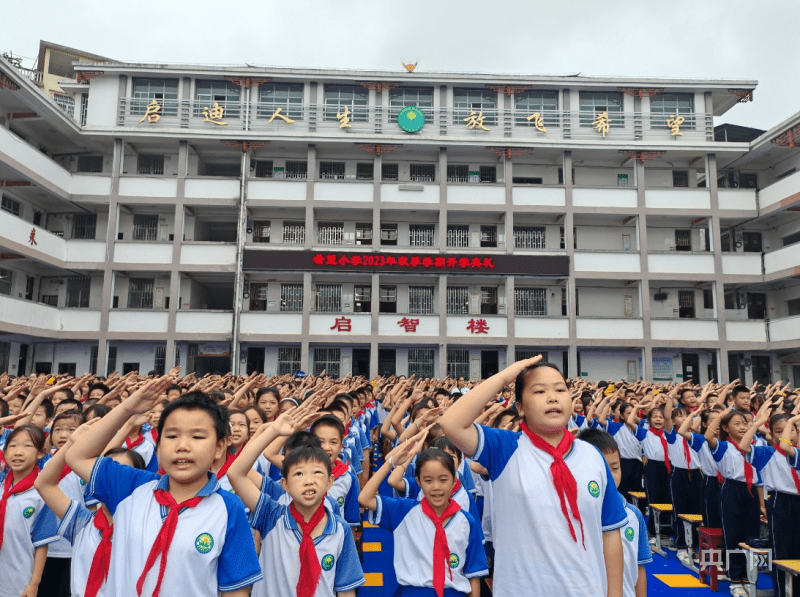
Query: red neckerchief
[228,462]
[154,435]
[338,469]
[310,570]
[441,550]
[24,485]
[164,537]
[748,468]
[687,453]
[563,481]
[456,487]
[132,444]
[795,477]
[347,429]
[370,404]
[98,572]
[720,478]
[359,413]
[660,434]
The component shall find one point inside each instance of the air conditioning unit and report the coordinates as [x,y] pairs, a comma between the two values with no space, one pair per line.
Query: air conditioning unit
[660,296]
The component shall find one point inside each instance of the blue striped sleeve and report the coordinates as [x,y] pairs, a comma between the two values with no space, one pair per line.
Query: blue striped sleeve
[613,515]
[45,528]
[238,564]
[495,449]
[349,573]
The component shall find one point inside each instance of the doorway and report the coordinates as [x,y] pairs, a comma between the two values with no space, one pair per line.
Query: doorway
[43,368]
[211,365]
[756,305]
[761,369]
[734,367]
[691,367]
[712,368]
[68,368]
[489,363]
[751,242]
[796,376]
[387,361]
[22,365]
[255,359]
[361,362]
[129,367]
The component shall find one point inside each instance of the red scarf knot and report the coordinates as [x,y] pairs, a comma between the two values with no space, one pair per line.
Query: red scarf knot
[338,469]
[660,434]
[563,481]
[229,458]
[310,569]
[441,550]
[98,572]
[21,487]
[130,445]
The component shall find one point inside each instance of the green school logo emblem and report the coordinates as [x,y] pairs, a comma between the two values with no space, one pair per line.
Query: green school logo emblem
[629,534]
[454,560]
[83,482]
[28,512]
[340,501]
[327,562]
[411,119]
[204,543]
[594,489]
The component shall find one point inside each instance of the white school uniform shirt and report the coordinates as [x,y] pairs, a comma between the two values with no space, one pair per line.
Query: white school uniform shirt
[651,443]
[730,462]
[28,524]
[488,506]
[527,521]
[774,469]
[345,492]
[280,553]
[677,456]
[413,534]
[629,446]
[635,548]
[702,453]
[78,528]
[212,550]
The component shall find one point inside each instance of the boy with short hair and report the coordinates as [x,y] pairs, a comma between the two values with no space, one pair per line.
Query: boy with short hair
[345,489]
[184,514]
[634,535]
[741,398]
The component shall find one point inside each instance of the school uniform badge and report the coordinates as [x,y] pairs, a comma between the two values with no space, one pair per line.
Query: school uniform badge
[594,489]
[629,534]
[454,560]
[328,561]
[204,543]
[28,512]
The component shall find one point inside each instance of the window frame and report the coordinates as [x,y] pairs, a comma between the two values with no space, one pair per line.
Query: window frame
[335,97]
[527,303]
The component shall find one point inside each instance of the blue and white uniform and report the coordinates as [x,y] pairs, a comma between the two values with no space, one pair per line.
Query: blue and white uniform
[77,527]
[635,548]
[280,553]
[345,492]
[413,535]
[528,522]
[276,492]
[212,550]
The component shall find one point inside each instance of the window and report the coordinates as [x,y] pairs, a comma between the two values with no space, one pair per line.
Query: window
[529,237]
[78,292]
[748,180]
[421,97]
[730,302]
[423,172]
[526,180]
[363,234]
[261,230]
[488,173]
[272,96]
[288,360]
[683,240]
[388,299]
[84,108]
[457,173]
[140,293]
[389,171]
[330,233]
[791,239]
[90,163]
[329,298]
[11,206]
[523,354]
[725,241]
[529,102]
[389,234]
[5,281]
[164,91]
[365,171]
[664,105]
[458,363]
[488,300]
[488,236]
[296,169]
[561,176]
[294,233]
[65,102]
[686,303]
[93,360]
[530,301]
[147,163]
[226,95]
[84,226]
[331,170]
[420,362]
[264,169]
[49,299]
[328,360]
[421,235]
[564,305]
[420,299]
[793,306]
[563,242]
[593,103]
[363,299]
[458,235]
[291,297]
[145,227]
[680,178]
[160,362]
[258,296]
[339,96]
[457,300]
[708,298]
[466,101]
[112,359]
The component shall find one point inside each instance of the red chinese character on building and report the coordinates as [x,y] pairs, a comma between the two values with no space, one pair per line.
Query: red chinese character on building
[487,263]
[415,261]
[343,324]
[452,262]
[32,238]
[402,261]
[438,262]
[463,263]
[478,326]
[318,259]
[330,260]
[390,261]
[427,261]
[343,260]
[355,260]
[408,325]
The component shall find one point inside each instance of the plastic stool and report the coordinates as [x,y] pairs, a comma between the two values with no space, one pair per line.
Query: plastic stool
[710,541]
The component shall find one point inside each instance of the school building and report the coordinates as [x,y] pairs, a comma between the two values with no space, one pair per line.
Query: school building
[283,219]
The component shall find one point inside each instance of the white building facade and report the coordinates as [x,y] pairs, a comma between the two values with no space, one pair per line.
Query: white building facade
[276,220]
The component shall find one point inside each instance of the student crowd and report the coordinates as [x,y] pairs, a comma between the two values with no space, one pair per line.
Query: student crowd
[166,485]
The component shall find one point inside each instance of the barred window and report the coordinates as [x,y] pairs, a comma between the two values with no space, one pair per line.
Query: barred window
[288,360]
[423,172]
[421,235]
[331,170]
[329,298]
[466,101]
[421,97]
[296,169]
[457,173]
[261,229]
[593,103]
[84,226]
[355,98]
[5,281]
[160,363]
[140,293]
[272,96]
[530,301]
[364,170]
[529,237]
[389,171]
[84,108]
[90,163]
[488,173]
[420,362]
[488,236]
[78,292]
[530,102]
[291,297]
[363,299]
[488,300]
[683,240]
[388,234]
[294,233]
[388,299]
[330,233]
[420,299]
[458,363]
[458,235]
[264,169]
[258,296]
[363,234]
[328,360]
[164,91]
[112,359]
[523,354]
[226,95]
[147,163]
[65,102]
[680,178]
[664,105]
[457,300]
[145,227]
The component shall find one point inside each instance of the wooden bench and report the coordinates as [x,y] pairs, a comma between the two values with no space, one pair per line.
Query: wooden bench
[656,510]
[711,541]
[757,559]
[792,569]
[636,496]
[690,521]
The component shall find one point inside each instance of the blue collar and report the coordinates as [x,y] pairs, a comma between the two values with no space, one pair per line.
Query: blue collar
[291,523]
[210,487]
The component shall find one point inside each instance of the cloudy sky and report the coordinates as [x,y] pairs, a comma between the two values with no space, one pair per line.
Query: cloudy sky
[734,39]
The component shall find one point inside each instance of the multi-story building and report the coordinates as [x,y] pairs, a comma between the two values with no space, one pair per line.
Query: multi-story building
[278,220]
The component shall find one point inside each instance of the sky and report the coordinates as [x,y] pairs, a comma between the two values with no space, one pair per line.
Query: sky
[704,39]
